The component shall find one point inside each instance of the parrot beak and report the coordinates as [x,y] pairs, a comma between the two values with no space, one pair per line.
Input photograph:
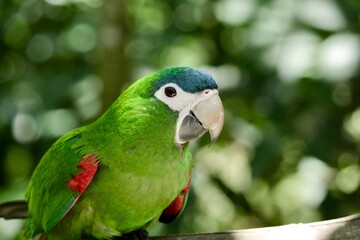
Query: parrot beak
[207,114]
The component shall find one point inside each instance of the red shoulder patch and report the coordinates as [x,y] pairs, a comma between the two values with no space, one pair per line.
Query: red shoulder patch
[88,165]
[176,206]
[78,183]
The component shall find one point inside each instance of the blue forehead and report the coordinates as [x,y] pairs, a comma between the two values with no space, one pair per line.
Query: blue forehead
[189,79]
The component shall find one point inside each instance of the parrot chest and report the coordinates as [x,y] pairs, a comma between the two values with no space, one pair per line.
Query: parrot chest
[133,194]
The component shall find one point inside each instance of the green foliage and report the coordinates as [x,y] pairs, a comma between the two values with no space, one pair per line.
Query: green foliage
[288,72]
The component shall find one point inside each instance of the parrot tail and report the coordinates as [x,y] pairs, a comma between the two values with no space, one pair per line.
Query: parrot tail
[14,210]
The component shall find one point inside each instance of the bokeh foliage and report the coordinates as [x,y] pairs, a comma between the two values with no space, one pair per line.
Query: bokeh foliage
[288,72]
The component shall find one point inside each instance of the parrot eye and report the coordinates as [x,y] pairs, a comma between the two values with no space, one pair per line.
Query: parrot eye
[173,96]
[170,92]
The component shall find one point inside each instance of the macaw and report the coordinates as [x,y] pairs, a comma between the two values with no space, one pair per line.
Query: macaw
[127,170]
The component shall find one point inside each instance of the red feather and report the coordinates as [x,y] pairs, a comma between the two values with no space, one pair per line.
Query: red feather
[176,206]
[88,165]
[78,183]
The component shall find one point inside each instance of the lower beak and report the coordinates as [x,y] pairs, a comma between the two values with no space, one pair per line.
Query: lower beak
[206,115]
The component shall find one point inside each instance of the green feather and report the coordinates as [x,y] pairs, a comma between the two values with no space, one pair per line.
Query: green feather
[140,171]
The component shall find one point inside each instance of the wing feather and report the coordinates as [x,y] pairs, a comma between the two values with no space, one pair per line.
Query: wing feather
[63,174]
[176,207]
[78,184]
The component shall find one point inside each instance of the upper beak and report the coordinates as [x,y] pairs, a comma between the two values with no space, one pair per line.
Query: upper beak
[206,115]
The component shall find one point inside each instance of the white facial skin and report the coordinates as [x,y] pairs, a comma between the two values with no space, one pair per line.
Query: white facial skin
[205,105]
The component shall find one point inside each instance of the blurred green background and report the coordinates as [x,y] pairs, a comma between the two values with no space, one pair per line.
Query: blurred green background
[288,73]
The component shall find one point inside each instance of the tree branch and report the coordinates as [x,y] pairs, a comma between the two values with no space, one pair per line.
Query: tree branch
[346,228]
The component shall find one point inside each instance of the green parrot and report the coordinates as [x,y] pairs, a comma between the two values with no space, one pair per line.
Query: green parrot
[127,170]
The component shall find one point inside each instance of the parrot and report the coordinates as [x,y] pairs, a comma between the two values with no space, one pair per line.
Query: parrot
[117,176]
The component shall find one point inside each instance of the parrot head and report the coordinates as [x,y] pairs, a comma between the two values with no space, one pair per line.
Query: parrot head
[192,94]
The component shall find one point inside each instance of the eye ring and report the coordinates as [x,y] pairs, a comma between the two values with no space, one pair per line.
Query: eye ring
[170,92]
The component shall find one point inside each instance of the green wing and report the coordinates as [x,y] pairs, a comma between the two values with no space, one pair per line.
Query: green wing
[62,175]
